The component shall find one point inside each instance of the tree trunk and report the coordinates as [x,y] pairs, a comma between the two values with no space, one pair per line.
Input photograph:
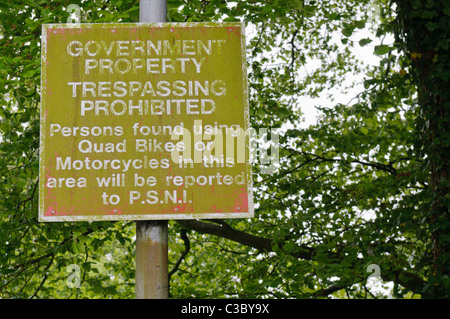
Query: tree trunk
[425,34]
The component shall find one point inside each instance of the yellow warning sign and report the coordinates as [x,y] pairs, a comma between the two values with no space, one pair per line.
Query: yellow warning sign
[144,121]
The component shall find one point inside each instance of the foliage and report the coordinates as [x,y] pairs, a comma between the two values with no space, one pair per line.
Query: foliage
[367,184]
[35,257]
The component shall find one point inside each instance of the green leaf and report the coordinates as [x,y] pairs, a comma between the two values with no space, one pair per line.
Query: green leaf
[334,16]
[364,42]
[283,112]
[382,49]
[364,130]
[360,24]
[447,10]
[348,31]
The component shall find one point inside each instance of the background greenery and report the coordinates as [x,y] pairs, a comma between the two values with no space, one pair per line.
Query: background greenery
[367,184]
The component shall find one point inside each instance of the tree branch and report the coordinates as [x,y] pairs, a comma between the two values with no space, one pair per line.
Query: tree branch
[228,232]
[261,243]
[222,229]
[187,248]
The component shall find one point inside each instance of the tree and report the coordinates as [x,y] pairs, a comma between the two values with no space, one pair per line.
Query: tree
[425,39]
[366,185]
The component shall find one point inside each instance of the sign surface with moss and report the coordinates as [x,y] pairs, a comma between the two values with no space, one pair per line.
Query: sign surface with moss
[144,121]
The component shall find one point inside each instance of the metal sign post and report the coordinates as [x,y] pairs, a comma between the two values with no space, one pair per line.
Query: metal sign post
[152,278]
[145,121]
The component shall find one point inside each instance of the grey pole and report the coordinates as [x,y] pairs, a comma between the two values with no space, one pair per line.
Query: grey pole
[153,11]
[152,277]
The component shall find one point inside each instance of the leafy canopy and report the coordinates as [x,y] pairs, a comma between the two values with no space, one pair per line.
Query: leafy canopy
[350,191]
